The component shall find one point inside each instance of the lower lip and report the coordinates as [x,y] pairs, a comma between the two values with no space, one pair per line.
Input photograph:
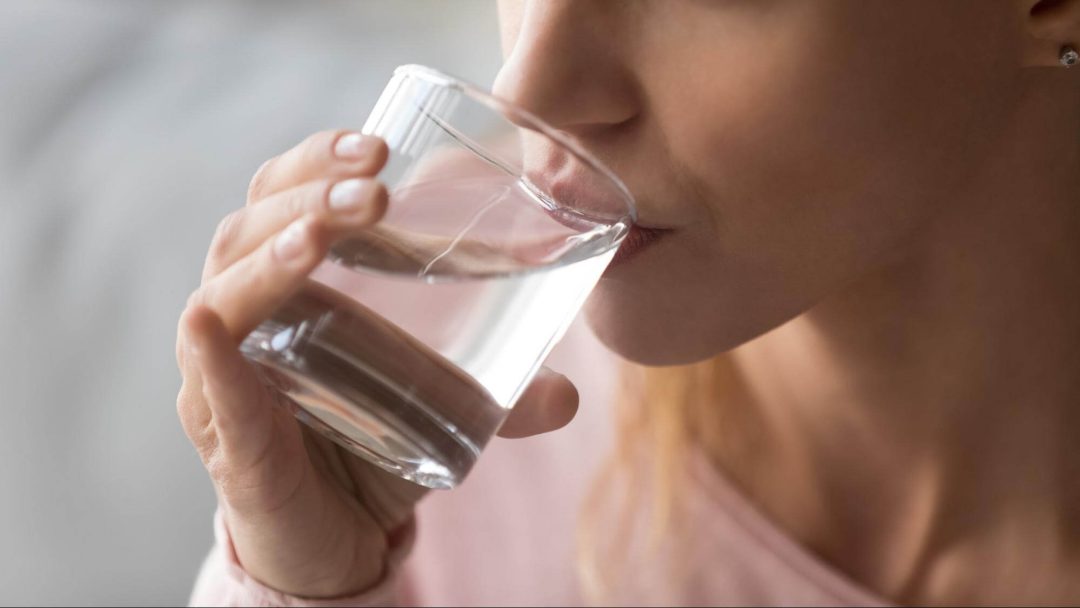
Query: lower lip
[635,242]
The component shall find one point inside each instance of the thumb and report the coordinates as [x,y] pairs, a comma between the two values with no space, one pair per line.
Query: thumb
[549,403]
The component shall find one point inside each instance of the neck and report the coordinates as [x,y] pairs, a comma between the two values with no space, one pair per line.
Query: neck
[922,422]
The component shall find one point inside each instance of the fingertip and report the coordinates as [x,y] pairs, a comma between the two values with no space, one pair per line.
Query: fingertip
[565,400]
[346,145]
[379,202]
[558,382]
[570,392]
[362,153]
[380,152]
[549,404]
[375,152]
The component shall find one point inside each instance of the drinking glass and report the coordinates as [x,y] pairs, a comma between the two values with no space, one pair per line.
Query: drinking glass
[412,340]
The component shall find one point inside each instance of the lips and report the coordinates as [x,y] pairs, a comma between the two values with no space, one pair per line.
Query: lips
[637,240]
[581,202]
[585,196]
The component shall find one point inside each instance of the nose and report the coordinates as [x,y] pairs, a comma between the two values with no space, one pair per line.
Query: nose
[567,67]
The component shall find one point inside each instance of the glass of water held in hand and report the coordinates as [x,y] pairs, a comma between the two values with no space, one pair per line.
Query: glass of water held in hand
[412,341]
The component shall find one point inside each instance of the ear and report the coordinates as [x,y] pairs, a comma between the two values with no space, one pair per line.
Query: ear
[1051,26]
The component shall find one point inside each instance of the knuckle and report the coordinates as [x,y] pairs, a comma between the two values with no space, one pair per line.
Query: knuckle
[316,149]
[323,138]
[197,422]
[181,341]
[260,181]
[308,200]
[185,405]
[225,235]
[218,464]
[380,153]
[181,351]
[193,413]
[206,445]
[182,331]
[320,191]
[322,142]
[197,298]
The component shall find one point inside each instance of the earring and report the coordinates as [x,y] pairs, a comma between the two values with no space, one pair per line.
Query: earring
[1069,56]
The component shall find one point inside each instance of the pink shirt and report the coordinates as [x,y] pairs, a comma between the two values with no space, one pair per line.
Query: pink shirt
[507,535]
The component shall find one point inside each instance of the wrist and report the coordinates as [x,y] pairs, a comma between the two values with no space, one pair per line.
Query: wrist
[312,583]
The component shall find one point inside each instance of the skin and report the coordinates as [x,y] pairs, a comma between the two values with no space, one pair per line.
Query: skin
[872,209]
[305,517]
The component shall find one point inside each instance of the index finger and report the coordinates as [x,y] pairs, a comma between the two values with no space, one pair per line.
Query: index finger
[326,154]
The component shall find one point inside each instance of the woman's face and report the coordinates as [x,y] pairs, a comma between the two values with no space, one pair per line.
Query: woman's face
[789,146]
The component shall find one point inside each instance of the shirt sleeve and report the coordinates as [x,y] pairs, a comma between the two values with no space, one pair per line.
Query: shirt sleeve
[222,581]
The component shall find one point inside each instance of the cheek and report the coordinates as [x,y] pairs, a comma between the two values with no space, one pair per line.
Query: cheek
[833,141]
[814,155]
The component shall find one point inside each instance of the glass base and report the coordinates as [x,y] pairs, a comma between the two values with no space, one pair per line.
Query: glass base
[369,386]
[368,430]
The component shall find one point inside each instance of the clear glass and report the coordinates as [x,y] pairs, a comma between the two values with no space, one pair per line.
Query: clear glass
[411,342]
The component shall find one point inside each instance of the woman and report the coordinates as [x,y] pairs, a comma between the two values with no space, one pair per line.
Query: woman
[863,289]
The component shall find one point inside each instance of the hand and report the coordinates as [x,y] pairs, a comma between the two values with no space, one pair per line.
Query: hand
[306,517]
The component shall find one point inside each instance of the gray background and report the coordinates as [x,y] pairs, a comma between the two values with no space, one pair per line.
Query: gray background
[127,129]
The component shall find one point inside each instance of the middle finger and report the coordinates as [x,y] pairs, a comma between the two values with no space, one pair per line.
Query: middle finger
[351,203]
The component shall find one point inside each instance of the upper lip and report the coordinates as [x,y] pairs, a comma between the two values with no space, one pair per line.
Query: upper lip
[575,186]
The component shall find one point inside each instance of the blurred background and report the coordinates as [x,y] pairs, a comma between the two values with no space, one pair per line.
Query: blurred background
[127,130]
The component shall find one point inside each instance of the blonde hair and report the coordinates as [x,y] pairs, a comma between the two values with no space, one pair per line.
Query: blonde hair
[662,414]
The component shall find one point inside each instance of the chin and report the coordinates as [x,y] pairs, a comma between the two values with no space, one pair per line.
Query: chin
[656,310]
[647,333]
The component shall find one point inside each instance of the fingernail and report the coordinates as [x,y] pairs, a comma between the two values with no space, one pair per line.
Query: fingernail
[290,243]
[348,194]
[351,146]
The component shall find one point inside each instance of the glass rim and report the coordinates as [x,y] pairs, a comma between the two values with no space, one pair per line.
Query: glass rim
[531,121]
